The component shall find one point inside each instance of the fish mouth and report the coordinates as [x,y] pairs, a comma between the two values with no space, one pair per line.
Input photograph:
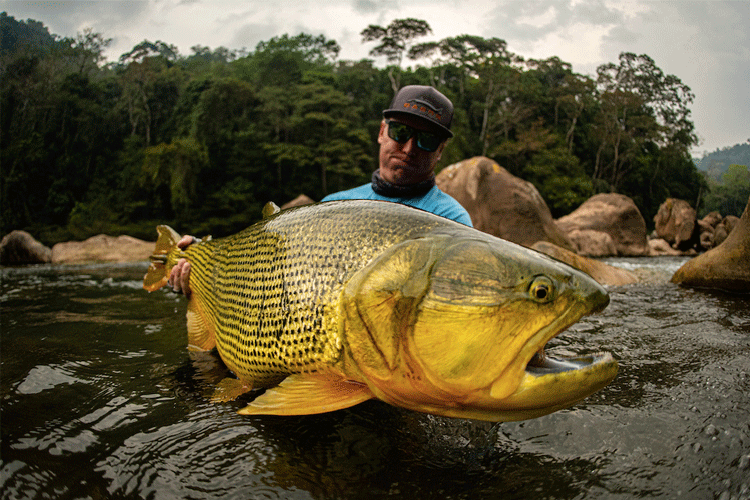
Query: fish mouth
[552,383]
[547,383]
[543,364]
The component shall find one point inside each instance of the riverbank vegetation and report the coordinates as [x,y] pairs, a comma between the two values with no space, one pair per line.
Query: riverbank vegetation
[203,141]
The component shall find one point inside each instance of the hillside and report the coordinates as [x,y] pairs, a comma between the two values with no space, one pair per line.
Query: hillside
[718,162]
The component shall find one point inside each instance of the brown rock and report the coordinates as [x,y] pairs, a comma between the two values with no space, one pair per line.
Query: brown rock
[712,218]
[724,228]
[592,243]
[601,272]
[19,247]
[300,200]
[675,222]
[500,203]
[102,248]
[726,266]
[730,222]
[706,234]
[720,234]
[659,246]
[610,213]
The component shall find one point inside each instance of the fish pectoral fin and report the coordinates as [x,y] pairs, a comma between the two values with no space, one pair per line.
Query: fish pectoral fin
[308,394]
[200,336]
[230,389]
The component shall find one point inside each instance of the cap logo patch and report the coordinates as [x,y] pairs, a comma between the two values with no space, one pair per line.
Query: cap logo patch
[423,109]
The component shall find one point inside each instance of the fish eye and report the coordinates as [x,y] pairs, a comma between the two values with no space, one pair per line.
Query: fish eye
[541,289]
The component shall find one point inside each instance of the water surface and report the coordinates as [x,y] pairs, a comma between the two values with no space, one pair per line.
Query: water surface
[100,399]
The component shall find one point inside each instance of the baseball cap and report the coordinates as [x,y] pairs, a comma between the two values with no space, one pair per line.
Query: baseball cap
[424,102]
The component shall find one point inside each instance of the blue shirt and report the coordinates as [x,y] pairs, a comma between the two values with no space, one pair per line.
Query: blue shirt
[434,201]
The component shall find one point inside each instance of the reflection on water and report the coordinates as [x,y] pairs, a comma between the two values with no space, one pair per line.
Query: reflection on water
[100,399]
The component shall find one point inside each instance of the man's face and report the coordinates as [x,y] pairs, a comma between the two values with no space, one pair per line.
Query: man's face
[404,164]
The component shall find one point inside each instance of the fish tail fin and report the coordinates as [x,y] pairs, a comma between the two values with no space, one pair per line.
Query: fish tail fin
[158,272]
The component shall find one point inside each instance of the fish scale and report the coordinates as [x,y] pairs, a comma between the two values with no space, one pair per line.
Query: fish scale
[271,288]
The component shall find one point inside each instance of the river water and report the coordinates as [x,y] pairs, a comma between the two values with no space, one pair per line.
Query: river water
[100,399]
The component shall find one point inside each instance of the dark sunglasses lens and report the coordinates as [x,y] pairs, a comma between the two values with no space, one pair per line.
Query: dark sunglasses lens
[399,132]
[428,142]
[402,133]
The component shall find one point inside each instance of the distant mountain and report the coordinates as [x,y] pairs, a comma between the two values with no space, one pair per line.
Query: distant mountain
[716,163]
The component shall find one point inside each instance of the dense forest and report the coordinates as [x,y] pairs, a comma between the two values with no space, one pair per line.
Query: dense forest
[203,141]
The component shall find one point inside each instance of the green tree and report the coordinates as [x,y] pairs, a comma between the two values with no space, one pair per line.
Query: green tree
[170,172]
[395,41]
[733,194]
[638,104]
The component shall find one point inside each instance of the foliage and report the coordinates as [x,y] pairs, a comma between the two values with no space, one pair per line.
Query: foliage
[732,195]
[395,41]
[203,141]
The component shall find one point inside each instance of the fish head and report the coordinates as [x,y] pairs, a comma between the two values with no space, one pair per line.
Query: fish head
[456,326]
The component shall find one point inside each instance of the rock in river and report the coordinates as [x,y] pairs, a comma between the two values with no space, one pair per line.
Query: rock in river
[725,267]
[102,248]
[19,247]
[500,203]
[610,213]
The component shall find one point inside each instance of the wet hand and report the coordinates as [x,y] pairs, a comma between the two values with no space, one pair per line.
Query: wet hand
[179,277]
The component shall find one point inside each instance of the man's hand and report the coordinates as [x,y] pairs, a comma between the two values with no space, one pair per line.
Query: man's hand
[179,277]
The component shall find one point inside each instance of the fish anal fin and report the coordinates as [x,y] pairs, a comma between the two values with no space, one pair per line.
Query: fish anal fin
[200,334]
[308,394]
[230,389]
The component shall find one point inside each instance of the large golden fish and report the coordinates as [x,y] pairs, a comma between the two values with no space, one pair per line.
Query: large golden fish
[332,304]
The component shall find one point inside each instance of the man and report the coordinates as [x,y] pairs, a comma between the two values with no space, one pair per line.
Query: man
[413,134]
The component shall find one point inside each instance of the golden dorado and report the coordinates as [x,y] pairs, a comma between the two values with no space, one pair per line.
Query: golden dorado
[333,304]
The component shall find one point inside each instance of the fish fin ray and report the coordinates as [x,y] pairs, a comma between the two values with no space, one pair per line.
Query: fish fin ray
[156,276]
[158,272]
[200,335]
[230,389]
[308,394]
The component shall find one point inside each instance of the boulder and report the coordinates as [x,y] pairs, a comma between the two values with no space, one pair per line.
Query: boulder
[705,234]
[102,248]
[500,203]
[730,222]
[659,246]
[724,228]
[300,200]
[726,266]
[720,234]
[19,247]
[592,243]
[712,218]
[675,223]
[601,272]
[613,214]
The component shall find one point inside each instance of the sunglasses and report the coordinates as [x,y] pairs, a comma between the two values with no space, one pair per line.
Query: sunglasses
[401,133]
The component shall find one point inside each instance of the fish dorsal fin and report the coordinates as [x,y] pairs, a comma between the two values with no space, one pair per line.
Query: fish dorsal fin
[200,334]
[308,394]
[270,209]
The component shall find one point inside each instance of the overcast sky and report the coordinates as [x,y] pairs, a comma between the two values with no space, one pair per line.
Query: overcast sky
[704,43]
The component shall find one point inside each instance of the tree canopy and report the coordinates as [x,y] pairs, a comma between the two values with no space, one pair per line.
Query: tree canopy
[203,141]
